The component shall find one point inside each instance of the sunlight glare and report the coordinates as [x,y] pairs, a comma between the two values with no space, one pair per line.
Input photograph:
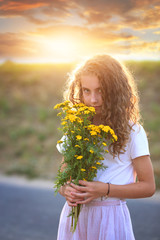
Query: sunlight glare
[63,49]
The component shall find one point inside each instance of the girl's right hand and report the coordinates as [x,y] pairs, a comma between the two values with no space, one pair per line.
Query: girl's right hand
[66,192]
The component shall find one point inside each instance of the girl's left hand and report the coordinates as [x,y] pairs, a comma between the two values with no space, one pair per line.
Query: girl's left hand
[89,190]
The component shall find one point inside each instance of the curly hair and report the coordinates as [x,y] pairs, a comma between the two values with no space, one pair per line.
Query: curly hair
[120,109]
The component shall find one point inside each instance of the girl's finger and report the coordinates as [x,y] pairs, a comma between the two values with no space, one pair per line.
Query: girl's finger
[79,188]
[80,195]
[72,204]
[74,200]
[85,201]
[84,183]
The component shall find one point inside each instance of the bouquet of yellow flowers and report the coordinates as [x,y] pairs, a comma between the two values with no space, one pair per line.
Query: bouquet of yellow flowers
[82,147]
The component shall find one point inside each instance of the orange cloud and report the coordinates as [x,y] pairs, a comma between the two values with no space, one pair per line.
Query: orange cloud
[16,45]
[16,8]
[136,14]
[20,6]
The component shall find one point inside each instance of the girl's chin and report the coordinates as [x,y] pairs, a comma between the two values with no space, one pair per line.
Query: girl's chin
[98,110]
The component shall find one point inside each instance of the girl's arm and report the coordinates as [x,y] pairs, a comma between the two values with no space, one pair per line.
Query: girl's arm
[144,187]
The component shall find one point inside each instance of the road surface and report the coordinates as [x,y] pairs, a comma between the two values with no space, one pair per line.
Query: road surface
[32,213]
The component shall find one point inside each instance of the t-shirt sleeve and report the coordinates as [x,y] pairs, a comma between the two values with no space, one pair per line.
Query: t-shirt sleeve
[60,146]
[139,143]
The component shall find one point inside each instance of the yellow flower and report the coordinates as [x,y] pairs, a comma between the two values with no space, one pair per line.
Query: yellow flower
[66,102]
[101,158]
[98,163]
[75,155]
[106,151]
[77,146]
[81,109]
[84,179]
[60,105]
[93,167]
[80,120]
[104,144]
[63,104]
[93,133]
[105,128]
[115,137]
[79,105]
[59,141]
[86,112]
[79,137]
[86,139]
[72,131]
[111,131]
[57,106]
[65,108]
[63,123]
[92,109]
[79,157]
[59,114]
[72,118]
[91,151]
[71,111]
[83,170]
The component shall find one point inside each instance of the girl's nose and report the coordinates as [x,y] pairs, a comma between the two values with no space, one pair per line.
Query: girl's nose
[93,98]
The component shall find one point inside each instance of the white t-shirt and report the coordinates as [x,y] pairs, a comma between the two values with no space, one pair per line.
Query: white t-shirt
[120,169]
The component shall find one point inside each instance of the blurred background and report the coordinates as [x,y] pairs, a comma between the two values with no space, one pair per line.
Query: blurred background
[28,124]
[40,42]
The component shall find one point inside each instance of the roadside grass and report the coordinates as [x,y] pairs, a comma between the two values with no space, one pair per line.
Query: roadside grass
[29,125]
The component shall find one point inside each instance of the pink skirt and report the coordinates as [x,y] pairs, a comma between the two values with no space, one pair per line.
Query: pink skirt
[98,220]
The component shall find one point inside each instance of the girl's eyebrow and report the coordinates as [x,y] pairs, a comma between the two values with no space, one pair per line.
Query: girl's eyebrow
[85,88]
[89,89]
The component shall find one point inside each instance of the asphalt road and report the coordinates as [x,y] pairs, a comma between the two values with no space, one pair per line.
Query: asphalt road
[32,213]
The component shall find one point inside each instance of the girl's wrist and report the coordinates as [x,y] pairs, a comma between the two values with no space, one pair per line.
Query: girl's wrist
[106,190]
[61,190]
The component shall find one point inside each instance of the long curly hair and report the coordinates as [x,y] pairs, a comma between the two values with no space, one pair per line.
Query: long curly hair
[120,109]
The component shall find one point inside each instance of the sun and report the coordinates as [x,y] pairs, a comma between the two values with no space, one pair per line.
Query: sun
[61,48]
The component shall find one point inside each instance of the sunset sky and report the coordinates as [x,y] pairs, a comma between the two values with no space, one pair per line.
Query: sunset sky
[65,30]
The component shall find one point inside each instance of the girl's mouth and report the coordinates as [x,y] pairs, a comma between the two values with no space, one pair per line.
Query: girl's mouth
[97,107]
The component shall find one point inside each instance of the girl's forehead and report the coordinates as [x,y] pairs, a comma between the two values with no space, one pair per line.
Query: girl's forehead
[90,81]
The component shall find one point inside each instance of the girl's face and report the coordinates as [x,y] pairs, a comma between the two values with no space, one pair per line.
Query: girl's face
[91,90]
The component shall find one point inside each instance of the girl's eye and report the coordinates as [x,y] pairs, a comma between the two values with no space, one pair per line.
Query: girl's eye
[100,91]
[85,90]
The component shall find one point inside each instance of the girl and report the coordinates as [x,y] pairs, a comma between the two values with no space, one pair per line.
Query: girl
[102,82]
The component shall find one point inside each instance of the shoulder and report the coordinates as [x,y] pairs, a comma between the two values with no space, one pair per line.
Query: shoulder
[137,130]
[138,143]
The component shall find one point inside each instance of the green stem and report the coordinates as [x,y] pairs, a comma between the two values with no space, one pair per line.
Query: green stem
[72,219]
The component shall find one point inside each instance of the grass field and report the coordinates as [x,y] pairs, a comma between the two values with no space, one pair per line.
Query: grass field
[29,125]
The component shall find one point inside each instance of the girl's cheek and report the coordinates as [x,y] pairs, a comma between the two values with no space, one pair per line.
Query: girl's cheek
[86,99]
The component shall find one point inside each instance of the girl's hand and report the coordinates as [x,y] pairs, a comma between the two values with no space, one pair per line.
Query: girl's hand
[88,191]
[66,192]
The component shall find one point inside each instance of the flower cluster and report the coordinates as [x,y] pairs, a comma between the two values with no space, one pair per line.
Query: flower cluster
[83,145]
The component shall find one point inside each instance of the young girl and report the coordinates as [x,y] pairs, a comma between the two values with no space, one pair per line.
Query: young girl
[102,82]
